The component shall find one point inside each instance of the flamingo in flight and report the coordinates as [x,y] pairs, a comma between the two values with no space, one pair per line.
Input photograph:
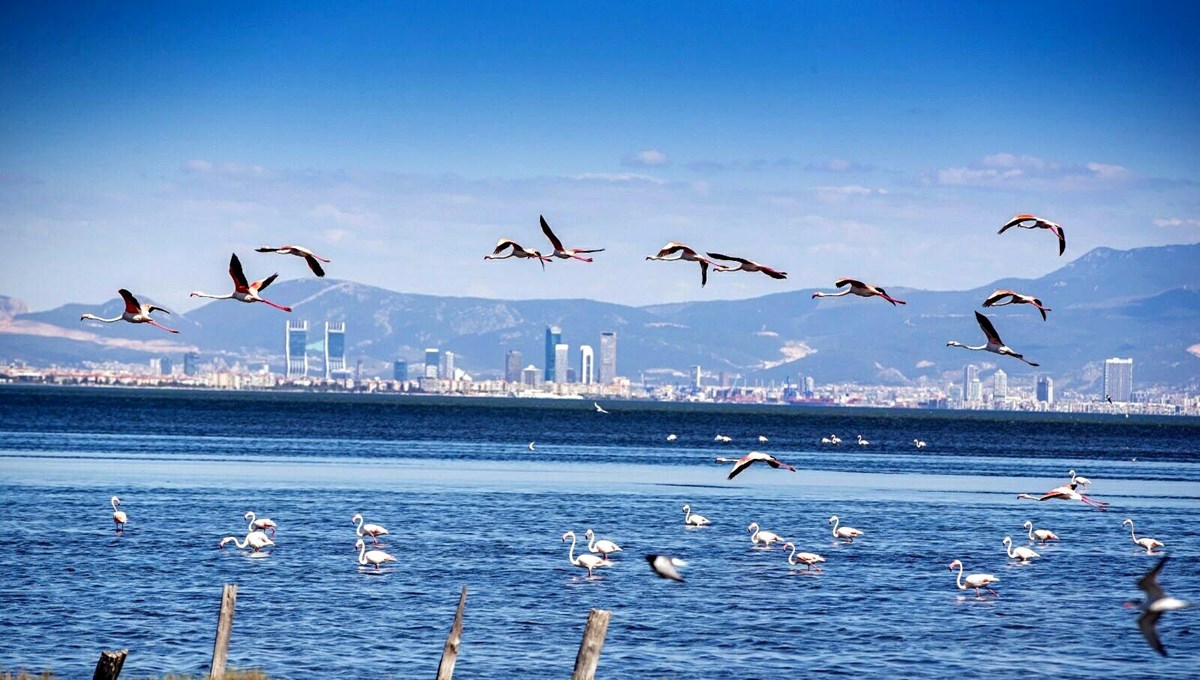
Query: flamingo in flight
[119,516]
[860,289]
[1156,602]
[243,290]
[809,560]
[257,524]
[314,261]
[1144,542]
[1026,221]
[586,561]
[375,557]
[372,530]
[1041,535]
[745,265]
[975,581]
[684,253]
[1014,298]
[1067,492]
[692,519]
[135,312]
[994,343]
[516,250]
[740,464]
[565,253]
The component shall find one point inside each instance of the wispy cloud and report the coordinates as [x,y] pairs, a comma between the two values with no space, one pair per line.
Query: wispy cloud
[1031,173]
[839,165]
[1176,222]
[618,177]
[649,158]
[845,193]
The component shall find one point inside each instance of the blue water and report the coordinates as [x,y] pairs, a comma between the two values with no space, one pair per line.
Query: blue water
[467,502]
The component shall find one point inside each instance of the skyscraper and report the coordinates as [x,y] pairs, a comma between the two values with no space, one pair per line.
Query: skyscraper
[530,376]
[191,363]
[999,385]
[446,365]
[970,379]
[694,374]
[608,358]
[432,357]
[335,348]
[561,362]
[295,345]
[1045,389]
[400,370]
[587,365]
[1118,379]
[553,337]
[512,366]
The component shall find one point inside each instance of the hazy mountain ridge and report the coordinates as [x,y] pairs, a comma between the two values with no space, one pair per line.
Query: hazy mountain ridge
[1143,303]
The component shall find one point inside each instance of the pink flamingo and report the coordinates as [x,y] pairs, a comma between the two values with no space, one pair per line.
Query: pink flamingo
[516,250]
[1067,492]
[994,344]
[565,253]
[1015,298]
[1026,221]
[686,254]
[135,312]
[740,464]
[860,289]
[746,266]
[975,581]
[243,291]
[314,261]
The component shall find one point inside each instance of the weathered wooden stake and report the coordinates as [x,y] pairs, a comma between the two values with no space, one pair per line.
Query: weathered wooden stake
[589,648]
[224,628]
[109,665]
[450,651]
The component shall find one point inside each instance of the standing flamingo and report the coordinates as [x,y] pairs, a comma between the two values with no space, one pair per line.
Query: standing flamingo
[1145,542]
[860,289]
[565,253]
[1081,481]
[257,540]
[1041,535]
[256,524]
[119,516]
[809,560]
[919,444]
[135,312]
[763,536]
[1067,492]
[243,291]
[745,265]
[1035,222]
[683,253]
[1015,298]
[518,251]
[589,562]
[994,343]
[314,261]
[375,557]
[1020,553]
[847,533]
[693,520]
[372,530]
[975,581]
[603,546]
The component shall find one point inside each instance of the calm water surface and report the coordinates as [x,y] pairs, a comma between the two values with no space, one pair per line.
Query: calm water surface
[467,502]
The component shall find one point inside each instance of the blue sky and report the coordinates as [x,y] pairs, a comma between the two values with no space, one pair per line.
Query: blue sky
[141,143]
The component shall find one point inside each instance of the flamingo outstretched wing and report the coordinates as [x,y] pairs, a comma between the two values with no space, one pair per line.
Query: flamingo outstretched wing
[988,329]
[550,234]
[853,283]
[240,284]
[314,265]
[262,285]
[132,306]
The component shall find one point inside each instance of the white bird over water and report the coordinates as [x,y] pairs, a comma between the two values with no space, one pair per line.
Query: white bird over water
[256,540]
[671,437]
[766,538]
[1042,535]
[1082,481]
[603,546]
[1067,492]
[848,533]
[1020,553]
[693,520]
[373,557]
[1156,602]
[256,524]
[863,442]
[599,409]
[666,567]
[809,560]
[531,448]
[975,581]
[762,439]
[372,530]
[1144,542]
[919,444]
[119,517]
[586,561]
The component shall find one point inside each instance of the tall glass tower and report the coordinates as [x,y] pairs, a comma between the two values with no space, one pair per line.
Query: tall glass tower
[294,347]
[335,348]
[553,338]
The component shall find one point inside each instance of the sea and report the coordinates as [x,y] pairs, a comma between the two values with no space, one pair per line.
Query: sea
[468,501]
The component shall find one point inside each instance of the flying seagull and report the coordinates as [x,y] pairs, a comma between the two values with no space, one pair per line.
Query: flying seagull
[1154,605]
[599,409]
[666,567]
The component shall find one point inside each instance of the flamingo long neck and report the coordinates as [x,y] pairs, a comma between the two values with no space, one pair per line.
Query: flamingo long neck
[358,526]
[958,580]
[241,545]
[835,526]
[210,295]
[592,543]
[1009,549]
[252,516]
[844,292]
[956,343]
[1131,534]
[115,502]
[792,556]
[571,552]
[362,554]
[93,317]
[687,514]
[1030,527]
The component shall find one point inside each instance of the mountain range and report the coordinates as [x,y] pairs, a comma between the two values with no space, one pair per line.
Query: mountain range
[1142,303]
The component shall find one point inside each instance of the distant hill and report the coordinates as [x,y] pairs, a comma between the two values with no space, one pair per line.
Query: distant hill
[1143,303]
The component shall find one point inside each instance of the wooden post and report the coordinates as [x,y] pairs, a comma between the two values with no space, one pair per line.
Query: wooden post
[589,648]
[109,665]
[450,651]
[224,628]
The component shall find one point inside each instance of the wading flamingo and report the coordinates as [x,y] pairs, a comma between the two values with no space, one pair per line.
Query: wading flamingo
[585,560]
[374,557]
[1015,298]
[1035,222]
[516,250]
[860,289]
[919,444]
[1156,602]
[256,524]
[763,536]
[683,253]
[1020,553]
[314,261]
[994,343]
[602,546]
[135,312]
[565,253]
[1081,481]
[1067,492]
[744,265]
[243,291]
[809,560]
[256,540]
[1042,535]
[847,533]
[693,520]
[975,581]
[751,458]
[1144,542]
[372,530]
[119,516]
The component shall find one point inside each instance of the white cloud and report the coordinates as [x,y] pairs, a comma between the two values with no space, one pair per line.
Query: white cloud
[198,165]
[1176,222]
[1024,172]
[650,158]
[839,165]
[619,177]
[844,193]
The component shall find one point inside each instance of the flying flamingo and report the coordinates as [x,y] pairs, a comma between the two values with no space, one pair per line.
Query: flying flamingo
[1145,542]
[585,560]
[256,524]
[762,536]
[809,560]
[860,289]
[243,291]
[1041,535]
[603,546]
[994,343]
[1015,298]
[684,253]
[847,533]
[375,557]
[1035,222]
[751,458]
[1082,481]
[119,516]
[1156,602]
[745,266]
[1020,553]
[516,250]
[135,312]
[314,261]
[1067,492]
[975,581]
[666,566]
[693,520]
[565,253]
[257,540]
[372,530]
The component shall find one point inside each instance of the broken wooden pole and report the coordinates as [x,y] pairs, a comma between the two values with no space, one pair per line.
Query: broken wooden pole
[450,651]
[109,665]
[589,648]
[224,628]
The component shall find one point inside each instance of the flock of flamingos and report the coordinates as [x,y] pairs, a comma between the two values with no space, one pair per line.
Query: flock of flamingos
[600,551]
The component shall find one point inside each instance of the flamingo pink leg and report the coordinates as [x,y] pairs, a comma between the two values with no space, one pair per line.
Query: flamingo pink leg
[286,309]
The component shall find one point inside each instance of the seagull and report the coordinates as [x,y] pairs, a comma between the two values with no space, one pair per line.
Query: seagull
[243,290]
[751,458]
[666,567]
[135,312]
[531,447]
[1036,222]
[684,253]
[314,261]
[745,266]
[1015,298]
[565,253]
[860,289]
[516,250]
[1154,605]
[599,409]
[994,343]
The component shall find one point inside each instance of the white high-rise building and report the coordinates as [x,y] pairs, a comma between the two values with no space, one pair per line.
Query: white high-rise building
[1118,379]
[999,385]
[694,374]
[587,365]
[295,349]
[971,393]
[335,348]
[608,358]
[562,352]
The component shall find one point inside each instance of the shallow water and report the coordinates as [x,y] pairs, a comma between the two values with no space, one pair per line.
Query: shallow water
[467,502]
